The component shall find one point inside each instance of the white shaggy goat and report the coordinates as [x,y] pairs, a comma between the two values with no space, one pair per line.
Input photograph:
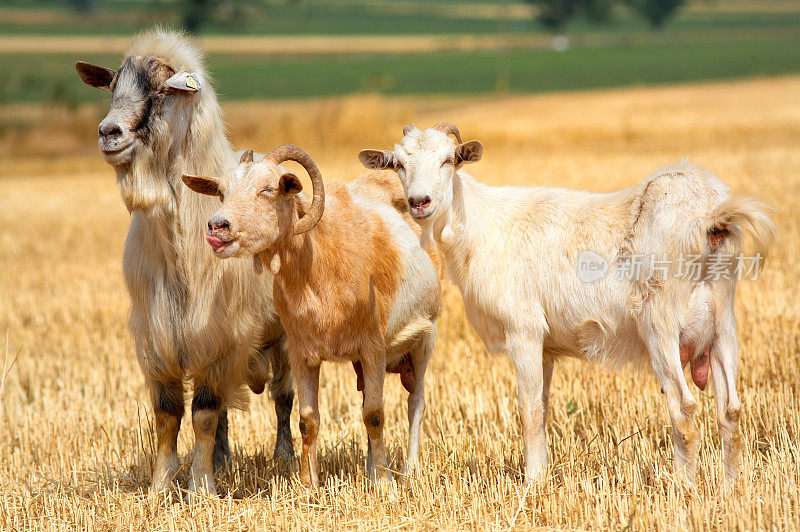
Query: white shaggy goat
[193,318]
[515,252]
[351,283]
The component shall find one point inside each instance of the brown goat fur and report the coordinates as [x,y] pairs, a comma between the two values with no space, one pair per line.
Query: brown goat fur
[356,287]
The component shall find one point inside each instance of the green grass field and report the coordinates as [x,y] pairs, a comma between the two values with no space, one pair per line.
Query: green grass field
[476,72]
[34,78]
[707,40]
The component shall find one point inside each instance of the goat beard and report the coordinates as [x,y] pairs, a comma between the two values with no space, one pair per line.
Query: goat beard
[145,185]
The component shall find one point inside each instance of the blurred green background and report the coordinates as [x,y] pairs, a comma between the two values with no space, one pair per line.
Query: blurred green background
[307,48]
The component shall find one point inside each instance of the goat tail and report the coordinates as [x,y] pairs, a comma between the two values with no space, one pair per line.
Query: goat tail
[740,215]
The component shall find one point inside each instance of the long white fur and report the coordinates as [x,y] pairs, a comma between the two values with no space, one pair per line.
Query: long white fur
[193,317]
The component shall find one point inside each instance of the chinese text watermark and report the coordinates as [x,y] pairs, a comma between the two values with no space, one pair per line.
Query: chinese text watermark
[593,266]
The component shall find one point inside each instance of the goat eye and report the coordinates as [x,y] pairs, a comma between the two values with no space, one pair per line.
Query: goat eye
[265,191]
[449,160]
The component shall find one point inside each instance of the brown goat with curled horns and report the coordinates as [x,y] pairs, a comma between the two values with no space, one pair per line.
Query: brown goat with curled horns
[351,283]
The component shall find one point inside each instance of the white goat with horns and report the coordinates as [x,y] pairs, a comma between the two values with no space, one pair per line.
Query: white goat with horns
[515,254]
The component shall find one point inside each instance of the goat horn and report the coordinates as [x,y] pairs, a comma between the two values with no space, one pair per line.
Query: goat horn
[247,157]
[407,129]
[448,129]
[290,152]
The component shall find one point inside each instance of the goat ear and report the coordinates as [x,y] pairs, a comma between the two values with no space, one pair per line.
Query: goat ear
[290,184]
[203,185]
[184,81]
[469,152]
[376,159]
[95,76]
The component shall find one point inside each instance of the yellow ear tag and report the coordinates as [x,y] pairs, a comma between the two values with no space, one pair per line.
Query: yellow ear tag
[191,82]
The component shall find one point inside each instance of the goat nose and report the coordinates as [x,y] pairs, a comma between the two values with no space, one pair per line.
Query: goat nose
[110,129]
[218,223]
[415,202]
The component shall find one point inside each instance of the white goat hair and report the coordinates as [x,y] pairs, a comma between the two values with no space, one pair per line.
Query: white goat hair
[514,254]
[193,318]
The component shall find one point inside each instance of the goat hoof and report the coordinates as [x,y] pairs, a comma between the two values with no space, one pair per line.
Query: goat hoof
[384,483]
[285,465]
[164,480]
[409,469]
[380,476]
[222,459]
[201,486]
[161,488]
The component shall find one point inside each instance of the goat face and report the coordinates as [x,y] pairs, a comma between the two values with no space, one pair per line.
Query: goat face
[149,106]
[256,207]
[426,162]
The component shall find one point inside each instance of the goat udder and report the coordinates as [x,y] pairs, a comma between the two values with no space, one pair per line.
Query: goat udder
[700,366]
[359,376]
[405,367]
[406,370]
[687,352]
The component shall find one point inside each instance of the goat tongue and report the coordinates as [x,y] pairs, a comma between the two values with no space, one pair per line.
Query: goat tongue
[215,242]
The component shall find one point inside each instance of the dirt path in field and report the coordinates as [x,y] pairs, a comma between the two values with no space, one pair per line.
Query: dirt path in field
[284,45]
[281,45]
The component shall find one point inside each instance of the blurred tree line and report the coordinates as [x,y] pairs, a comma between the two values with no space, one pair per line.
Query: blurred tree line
[197,13]
[552,14]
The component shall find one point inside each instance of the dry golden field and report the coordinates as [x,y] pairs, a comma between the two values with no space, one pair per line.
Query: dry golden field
[76,439]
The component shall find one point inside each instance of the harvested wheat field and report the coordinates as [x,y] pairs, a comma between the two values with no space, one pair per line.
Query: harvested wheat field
[77,438]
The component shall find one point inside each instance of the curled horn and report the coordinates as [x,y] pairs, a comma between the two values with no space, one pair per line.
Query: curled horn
[247,157]
[448,129]
[290,152]
[407,129]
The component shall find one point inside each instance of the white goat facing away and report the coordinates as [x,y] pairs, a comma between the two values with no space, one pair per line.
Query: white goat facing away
[193,318]
[514,253]
[351,283]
